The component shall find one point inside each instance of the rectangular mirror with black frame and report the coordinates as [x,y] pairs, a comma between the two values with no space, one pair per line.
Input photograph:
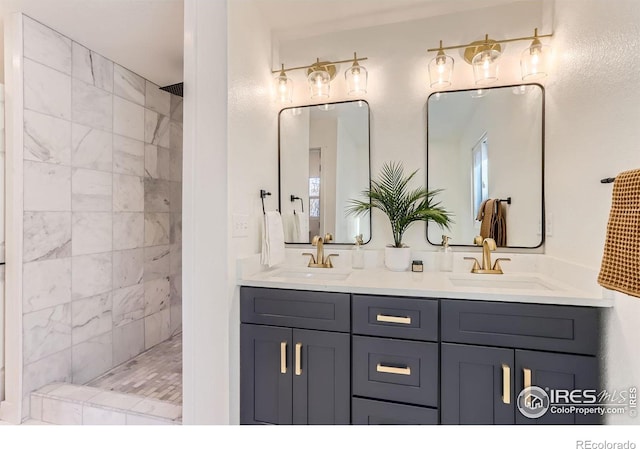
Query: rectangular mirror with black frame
[485,150]
[323,163]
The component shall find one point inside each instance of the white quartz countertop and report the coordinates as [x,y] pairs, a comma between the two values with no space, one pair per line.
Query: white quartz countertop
[512,287]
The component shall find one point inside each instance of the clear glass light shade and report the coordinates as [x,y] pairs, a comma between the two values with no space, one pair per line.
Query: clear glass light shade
[485,67]
[534,61]
[440,71]
[356,78]
[283,88]
[319,83]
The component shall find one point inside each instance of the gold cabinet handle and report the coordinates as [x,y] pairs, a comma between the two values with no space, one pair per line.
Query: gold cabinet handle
[406,371]
[283,357]
[526,372]
[298,359]
[506,384]
[527,377]
[393,319]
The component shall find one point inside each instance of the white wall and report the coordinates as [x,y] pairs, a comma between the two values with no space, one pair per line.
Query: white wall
[593,133]
[398,80]
[206,282]
[2,193]
[253,153]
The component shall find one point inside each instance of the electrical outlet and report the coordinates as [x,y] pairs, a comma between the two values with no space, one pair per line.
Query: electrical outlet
[549,225]
[240,225]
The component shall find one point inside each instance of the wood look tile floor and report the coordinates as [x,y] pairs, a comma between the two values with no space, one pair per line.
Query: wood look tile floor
[156,373]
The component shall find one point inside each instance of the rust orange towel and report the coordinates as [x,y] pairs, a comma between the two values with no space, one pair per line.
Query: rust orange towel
[620,269]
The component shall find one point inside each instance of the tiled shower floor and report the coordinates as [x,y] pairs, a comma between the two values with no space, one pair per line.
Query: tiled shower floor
[156,373]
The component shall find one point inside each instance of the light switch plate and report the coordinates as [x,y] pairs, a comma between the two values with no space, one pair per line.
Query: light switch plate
[240,225]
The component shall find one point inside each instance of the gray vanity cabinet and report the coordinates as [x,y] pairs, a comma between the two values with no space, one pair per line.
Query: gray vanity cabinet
[472,385]
[395,360]
[551,347]
[290,374]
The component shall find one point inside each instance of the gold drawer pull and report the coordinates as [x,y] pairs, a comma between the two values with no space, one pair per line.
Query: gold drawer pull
[283,357]
[393,370]
[393,319]
[298,359]
[506,384]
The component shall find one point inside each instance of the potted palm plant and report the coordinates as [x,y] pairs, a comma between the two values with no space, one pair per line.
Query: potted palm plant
[404,206]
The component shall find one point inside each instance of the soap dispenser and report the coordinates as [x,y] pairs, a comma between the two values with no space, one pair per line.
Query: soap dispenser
[446,255]
[357,254]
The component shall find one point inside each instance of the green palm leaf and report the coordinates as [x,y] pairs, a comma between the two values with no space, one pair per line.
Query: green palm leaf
[403,206]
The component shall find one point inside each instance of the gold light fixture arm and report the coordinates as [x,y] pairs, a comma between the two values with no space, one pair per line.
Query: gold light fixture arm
[321,63]
[502,41]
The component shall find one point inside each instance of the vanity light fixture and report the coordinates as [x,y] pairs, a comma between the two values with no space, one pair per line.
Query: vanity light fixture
[356,78]
[319,77]
[283,87]
[535,59]
[441,69]
[483,56]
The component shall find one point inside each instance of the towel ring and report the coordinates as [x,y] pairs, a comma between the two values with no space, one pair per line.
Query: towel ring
[293,198]
[263,194]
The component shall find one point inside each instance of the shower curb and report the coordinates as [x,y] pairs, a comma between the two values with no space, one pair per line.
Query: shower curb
[64,403]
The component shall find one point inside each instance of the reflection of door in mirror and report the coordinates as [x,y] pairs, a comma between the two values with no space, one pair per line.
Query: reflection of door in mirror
[315,189]
[480,175]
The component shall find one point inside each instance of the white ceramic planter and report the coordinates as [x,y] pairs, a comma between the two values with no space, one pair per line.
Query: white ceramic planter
[397,259]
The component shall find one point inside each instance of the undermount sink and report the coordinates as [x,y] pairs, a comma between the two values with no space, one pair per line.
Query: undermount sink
[501,281]
[320,274]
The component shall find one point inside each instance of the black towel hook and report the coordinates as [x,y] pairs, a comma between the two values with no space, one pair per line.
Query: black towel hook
[607,180]
[263,194]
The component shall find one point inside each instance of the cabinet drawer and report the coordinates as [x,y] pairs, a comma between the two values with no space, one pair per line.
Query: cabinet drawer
[396,370]
[410,318]
[370,412]
[295,308]
[516,325]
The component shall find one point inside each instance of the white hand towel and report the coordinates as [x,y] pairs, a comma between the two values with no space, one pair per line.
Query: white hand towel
[272,239]
[302,227]
[295,228]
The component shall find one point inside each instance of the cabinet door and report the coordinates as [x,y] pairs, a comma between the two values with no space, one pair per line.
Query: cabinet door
[265,375]
[321,377]
[473,383]
[551,371]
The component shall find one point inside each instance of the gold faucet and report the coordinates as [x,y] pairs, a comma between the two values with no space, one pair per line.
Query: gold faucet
[488,245]
[319,261]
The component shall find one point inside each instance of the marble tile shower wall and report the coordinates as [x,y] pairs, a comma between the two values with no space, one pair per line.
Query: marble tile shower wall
[102,212]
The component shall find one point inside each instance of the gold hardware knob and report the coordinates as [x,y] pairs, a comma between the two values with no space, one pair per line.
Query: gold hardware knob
[506,384]
[328,237]
[312,261]
[406,371]
[496,264]
[298,359]
[393,319]
[283,357]
[327,261]
[476,264]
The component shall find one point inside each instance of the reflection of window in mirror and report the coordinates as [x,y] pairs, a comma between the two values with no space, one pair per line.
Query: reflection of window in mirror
[479,175]
[314,191]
